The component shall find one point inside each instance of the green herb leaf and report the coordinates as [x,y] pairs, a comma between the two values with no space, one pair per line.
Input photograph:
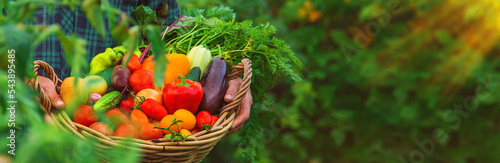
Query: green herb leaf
[144,15]
[162,13]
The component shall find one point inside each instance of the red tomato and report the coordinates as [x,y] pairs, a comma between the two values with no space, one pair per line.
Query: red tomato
[148,132]
[195,130]
[214,119]
[138,118]
[133,64]
[127,130]
[153,109]
[117,117]
[204,119]
[141,79]
[85,115]
[126,105]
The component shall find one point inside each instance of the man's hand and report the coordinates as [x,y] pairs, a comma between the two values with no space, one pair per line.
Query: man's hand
[50,90]
[246,104]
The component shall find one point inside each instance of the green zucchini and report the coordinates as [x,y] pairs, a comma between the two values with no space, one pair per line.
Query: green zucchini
[194,74]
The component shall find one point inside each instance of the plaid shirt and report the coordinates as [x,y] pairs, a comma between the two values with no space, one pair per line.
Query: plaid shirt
[75,22]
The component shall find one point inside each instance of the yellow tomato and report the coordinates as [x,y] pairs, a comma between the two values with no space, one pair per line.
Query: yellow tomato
[149,93]
[187,118]
[185,132]
[167,121]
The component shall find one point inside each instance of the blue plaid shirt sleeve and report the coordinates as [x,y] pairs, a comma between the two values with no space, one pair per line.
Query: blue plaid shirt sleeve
[75,22]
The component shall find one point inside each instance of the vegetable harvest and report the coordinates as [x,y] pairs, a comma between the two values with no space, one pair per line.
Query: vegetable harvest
[168,109]
[272,58]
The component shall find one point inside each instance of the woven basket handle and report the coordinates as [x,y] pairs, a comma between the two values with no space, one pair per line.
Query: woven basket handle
[44,100]
[245,67]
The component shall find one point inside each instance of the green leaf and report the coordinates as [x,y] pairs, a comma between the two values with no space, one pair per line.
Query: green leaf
[221,12]
[93,12]
[162,13]
[184,23]
[133,39]
[118,32]
[160,66]
[339,36]
[126,152]
[152,33]
[338,137]
[20,41]
[367,13]
[46,32]
[144,15]
[444,37]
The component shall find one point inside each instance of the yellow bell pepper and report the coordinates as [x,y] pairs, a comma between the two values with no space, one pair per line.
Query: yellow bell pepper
[177,64]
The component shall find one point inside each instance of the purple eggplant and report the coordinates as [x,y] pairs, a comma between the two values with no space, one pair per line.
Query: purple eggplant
[214,84]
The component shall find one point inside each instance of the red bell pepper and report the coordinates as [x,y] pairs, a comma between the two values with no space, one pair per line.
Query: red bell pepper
[182,94]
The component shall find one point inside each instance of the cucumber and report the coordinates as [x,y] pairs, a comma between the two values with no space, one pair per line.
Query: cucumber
[194,74]
[107,101]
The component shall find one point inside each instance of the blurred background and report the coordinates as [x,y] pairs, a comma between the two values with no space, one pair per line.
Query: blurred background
[383,81]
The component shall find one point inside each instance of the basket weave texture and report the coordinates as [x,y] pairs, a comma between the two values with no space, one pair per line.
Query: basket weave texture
[194,149]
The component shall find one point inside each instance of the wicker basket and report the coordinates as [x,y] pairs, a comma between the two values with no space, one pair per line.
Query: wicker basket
[194,149]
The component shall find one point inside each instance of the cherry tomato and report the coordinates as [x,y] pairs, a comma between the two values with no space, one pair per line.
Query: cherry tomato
[126,106]
[195,130]
[214,119]
[204,119]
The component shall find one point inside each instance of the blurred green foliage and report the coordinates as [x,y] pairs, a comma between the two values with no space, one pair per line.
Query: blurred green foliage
[35,139]
[381,78]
